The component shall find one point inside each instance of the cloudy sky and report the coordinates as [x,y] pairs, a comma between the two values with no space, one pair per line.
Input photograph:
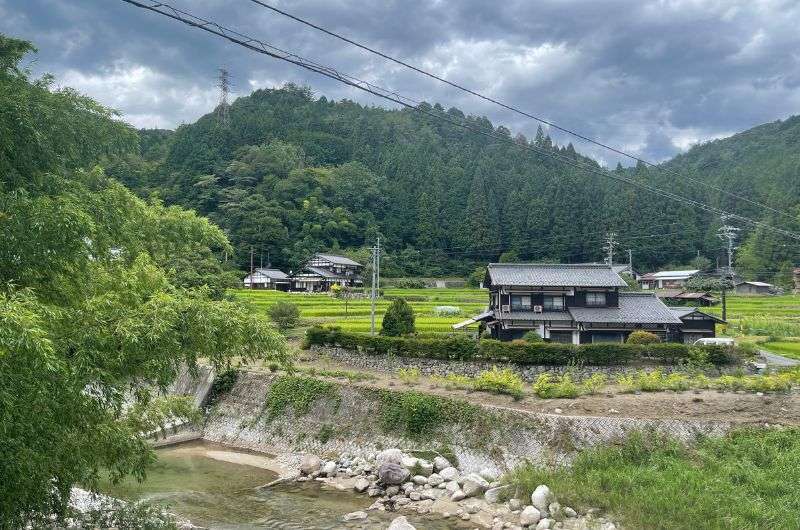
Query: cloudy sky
[649,76]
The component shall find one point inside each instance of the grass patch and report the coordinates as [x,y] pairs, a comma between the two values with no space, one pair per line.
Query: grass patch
[749,479]
[416,414]
[496,381]
[658,381]
[785,348]
[299,393]
[409,376]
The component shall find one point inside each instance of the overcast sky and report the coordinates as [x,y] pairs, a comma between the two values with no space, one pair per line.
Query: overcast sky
[649,76]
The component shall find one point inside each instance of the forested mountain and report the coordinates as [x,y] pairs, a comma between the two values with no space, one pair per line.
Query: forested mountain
[291,174]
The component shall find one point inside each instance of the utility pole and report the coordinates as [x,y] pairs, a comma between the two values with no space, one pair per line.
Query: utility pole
[224,85]
[630,262]
[608,247]
[376,264]
[251,266]
[727,233]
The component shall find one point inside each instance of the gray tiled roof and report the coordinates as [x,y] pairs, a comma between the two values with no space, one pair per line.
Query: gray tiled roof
[275,274]
[634,308]
[338,260]
[537,317]
[325,273]
[681,312]
[554,275]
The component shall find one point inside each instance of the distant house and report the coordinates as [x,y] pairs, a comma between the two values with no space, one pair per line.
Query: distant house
[754,288]
[268,279]
[679,296]
[324,270]
[666,279]
[569,303]
[696,324]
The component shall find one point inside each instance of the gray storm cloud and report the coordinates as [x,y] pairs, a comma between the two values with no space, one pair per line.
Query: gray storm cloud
[650,76]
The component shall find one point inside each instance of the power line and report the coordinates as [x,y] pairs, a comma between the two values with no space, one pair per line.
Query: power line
[277,53]
[512,108]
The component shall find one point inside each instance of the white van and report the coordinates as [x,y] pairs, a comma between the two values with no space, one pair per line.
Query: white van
[718,341]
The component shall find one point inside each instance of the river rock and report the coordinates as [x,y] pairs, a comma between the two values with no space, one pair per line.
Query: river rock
[457,495]
[569,512]
[390,473]
[361,484]
[424,467]
[419,479]
[392,490]
[440,463]
[430,493]
[452,486]
[401,523]
[390,456]
[414,496]
[542,497]
[555,510]
[409,462]
[493,494]
[474,484]
[544,524]
[489,474]
[374,491]
[449,473]
[355,516]
[514,504]
[329,469]
[530,515]
[435,479]
[309,464]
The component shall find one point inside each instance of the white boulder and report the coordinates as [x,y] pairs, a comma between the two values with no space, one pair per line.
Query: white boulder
[361,484]
[401,523]
[529,515]
[391,456]
[355,516]
[310,464]
[449,473]
[440,463]
[542,497]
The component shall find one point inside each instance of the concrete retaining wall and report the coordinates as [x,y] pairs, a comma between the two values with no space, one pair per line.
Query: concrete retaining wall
[498,439]
[383,363]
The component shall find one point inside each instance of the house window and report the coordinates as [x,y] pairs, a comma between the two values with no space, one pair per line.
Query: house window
[520,302]
[595,299]
[554,303]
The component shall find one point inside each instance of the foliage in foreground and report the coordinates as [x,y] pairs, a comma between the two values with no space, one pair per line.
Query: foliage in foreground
[748,479]
[101,293]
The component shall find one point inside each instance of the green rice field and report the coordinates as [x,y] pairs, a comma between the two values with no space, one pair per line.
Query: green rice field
[752,316]
[787,349]
[354,315]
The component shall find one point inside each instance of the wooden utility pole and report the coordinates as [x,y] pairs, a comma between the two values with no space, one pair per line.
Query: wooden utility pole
[376,261]
[251,266]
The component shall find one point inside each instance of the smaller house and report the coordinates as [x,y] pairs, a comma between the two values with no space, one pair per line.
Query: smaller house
[754,288]
[268,279]
[666,279]
[681,297]
[324,270]
[696,324]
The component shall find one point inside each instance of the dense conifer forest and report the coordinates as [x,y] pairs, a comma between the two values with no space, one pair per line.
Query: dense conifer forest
[293,173]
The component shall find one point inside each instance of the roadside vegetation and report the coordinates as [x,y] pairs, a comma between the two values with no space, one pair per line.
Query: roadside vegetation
[748,479]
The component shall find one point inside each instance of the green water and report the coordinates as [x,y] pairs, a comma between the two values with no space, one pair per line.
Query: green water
[221,495]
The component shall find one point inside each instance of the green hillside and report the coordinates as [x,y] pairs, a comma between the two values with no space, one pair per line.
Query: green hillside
[293,173]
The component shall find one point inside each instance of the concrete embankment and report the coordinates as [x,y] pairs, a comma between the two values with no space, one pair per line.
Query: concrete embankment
[358,420]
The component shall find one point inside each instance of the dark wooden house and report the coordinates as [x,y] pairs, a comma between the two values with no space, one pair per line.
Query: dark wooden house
[263,278]
[696,324]
[570,303]
[324,270]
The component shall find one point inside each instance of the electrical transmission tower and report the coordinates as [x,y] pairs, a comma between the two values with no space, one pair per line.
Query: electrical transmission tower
[608,247]
[224,85]
[728,234]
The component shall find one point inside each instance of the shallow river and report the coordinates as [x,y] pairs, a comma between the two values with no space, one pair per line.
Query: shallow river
[210,486]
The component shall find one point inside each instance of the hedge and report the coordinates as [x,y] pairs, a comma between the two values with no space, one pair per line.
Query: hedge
[462,348]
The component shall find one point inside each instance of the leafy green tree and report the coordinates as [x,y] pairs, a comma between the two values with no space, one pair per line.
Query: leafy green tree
[286,315]
[100,294]
[398,319]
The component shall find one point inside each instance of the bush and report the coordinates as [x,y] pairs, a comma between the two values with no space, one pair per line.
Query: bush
[498,381]
[398,320]
[548,386]
[285,315]
[642,337]
[462,348]
[409,376]
[532,336]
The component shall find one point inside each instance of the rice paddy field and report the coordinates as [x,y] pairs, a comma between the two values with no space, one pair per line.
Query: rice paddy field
[754,317]
[354,314]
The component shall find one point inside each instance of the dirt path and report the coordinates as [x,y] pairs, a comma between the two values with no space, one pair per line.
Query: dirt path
[740,407]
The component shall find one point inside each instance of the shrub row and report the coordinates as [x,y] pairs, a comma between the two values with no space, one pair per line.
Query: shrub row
[462,348]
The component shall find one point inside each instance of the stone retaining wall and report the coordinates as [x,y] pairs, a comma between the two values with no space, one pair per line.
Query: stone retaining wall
[529,373]
[498,439]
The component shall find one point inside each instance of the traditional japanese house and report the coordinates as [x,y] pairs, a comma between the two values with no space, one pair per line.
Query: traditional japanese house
[570,303]
[696,324]
[324,270]
[263,278]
